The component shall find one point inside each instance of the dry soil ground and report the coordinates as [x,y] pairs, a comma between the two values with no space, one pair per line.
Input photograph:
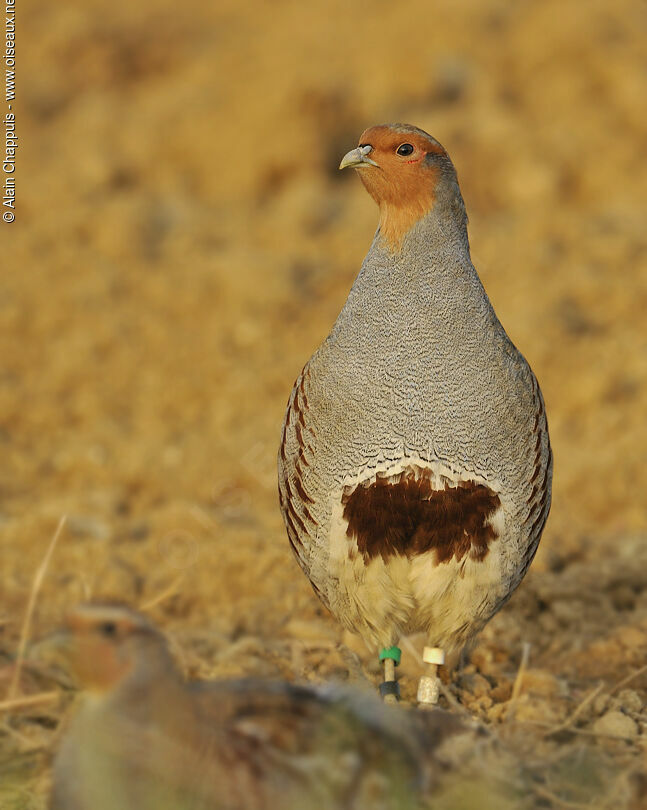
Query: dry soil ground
[183,240]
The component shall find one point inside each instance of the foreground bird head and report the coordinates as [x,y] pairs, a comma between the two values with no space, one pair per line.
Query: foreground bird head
[109,645]
[408,174]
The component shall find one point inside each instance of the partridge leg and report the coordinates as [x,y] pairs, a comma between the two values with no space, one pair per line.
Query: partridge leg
[389,688]
[429,685]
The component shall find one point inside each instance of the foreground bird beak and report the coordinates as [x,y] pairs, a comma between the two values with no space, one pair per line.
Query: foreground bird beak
[357,158]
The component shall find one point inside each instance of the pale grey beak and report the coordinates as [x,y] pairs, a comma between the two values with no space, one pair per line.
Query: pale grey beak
[357,158]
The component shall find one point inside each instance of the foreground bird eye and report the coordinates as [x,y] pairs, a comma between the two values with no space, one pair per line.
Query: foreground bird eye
[404,149]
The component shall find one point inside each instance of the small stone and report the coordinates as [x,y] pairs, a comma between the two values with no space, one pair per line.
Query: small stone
[476,684]
[631,637]
[541,682]
[482,703]
[630,701]
[562,609]
[482,658]
[502,692]
[497,712]
[530,710]
[616,724]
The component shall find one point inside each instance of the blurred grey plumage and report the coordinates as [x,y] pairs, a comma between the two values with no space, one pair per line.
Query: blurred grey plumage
[143,739]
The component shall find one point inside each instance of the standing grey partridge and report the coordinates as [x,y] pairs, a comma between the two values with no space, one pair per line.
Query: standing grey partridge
[415,466]
[143,739]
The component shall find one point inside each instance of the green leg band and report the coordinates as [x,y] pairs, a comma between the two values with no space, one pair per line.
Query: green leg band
[394,653]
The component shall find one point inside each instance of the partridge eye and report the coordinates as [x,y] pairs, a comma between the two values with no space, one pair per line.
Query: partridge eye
[404,149]
[108,629]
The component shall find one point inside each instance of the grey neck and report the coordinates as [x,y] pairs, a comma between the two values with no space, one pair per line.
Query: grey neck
[433,261]
[429,286]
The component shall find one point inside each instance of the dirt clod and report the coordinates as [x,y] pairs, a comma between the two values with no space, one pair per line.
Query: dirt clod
[616,724]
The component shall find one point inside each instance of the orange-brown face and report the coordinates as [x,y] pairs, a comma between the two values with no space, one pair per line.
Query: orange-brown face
[103,645]
[400,167]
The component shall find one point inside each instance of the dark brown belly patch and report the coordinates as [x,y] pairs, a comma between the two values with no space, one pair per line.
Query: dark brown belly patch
[404,515]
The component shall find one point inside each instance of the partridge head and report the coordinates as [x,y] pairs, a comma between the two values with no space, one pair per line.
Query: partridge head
[109,646]
[407,173]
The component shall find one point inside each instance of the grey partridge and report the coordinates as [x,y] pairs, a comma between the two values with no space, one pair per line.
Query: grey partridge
[144,739]
[415,465]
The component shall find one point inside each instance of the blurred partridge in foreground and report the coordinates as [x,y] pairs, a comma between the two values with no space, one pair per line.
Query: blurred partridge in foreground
[143,739]
[415,465]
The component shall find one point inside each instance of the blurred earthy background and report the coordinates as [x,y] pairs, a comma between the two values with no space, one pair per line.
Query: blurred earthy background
[183,241]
